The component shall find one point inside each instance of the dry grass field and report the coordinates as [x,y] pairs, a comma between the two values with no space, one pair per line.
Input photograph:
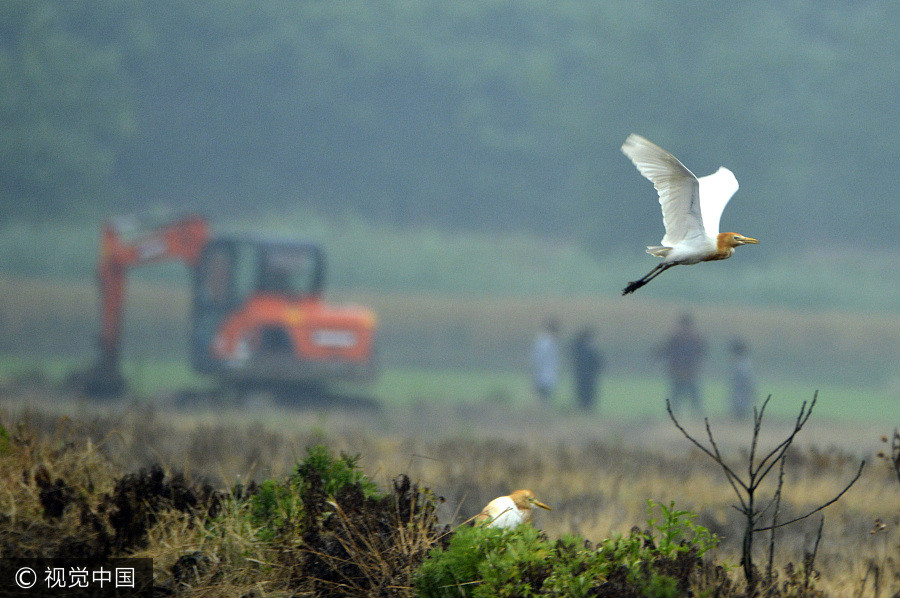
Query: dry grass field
[596,473]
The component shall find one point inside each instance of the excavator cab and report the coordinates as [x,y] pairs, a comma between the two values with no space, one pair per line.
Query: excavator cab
[259,320]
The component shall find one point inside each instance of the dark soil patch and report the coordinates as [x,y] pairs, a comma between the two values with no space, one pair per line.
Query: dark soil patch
[109,526]
[137,499]
[55,496]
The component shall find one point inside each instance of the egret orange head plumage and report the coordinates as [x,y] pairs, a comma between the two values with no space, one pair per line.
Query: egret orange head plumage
[691,209]
[726,242]
[510,511]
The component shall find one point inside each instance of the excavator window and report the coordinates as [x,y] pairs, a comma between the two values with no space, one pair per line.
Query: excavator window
[232,271]
[246,270]
[290,270]
[215,277]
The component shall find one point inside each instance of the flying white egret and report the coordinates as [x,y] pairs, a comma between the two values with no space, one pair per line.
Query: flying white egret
[691,209]
[510,511]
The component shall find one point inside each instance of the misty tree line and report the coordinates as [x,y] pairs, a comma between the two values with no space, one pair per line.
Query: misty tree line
[492,115]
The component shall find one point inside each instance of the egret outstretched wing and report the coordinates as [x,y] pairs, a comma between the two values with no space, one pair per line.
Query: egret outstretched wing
[715,191]
[678,188]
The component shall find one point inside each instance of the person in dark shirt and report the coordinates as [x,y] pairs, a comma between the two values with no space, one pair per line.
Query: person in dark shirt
[587,364]
[683,353]
[743,380]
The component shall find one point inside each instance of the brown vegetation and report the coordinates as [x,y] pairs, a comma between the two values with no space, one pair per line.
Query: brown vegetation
[86,484]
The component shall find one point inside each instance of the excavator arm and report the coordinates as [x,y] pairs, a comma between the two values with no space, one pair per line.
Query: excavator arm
[182,239]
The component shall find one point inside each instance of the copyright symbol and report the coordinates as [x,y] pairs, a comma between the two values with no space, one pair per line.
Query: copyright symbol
[26,577]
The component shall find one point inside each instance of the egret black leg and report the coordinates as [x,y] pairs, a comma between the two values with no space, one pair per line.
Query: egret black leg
[636,284]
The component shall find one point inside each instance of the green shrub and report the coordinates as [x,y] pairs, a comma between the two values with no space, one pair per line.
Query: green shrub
[676,531]
[334,473]
[274,505]
[277,504]
[482,562]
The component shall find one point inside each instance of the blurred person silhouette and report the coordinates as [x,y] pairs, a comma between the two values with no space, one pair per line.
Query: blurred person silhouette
[743,380]
[545,361]
[683,353]
[587,365]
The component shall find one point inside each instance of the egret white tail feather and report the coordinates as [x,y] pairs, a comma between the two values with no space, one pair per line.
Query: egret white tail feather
[658,250]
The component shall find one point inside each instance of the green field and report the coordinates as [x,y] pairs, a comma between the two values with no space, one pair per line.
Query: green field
[624,397]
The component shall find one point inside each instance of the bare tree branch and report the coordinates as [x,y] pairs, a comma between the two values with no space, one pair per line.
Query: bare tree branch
[757,425]
[777,500]
[714,456]
[819,508]
[809,560]
[782,448]
[894,458]
[746,490]
[730,475]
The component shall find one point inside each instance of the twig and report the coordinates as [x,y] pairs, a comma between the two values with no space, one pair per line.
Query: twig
[895,452]
[777,500]
[810,560]
[782,448]
[714,456]
[819,508]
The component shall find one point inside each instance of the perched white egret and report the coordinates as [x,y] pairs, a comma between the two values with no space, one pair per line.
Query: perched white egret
[691,209]
[510,511]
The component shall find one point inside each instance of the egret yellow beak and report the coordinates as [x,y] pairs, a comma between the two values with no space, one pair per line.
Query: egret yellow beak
[538,503]
[748,240]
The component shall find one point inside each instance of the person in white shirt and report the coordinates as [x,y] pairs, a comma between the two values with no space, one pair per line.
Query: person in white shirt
[545,361]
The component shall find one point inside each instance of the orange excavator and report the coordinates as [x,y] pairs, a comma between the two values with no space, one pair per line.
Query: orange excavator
[258,319]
